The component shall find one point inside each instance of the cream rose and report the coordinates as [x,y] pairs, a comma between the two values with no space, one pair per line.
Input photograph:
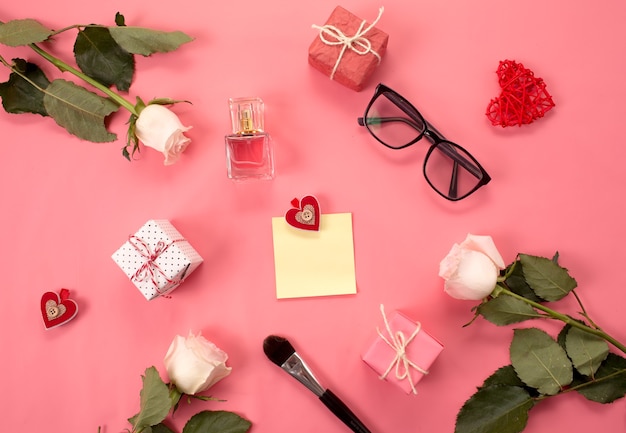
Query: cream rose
[160,128]
[471,268]
[194,364]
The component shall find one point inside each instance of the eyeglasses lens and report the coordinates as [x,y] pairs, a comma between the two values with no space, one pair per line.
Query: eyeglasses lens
[447,175]
[390,125]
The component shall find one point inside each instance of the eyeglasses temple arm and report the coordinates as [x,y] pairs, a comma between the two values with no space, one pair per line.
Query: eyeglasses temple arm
[454,179]
[377,120]
[460,160]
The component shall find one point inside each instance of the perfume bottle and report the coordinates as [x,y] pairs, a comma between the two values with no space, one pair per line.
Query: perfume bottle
[249,153]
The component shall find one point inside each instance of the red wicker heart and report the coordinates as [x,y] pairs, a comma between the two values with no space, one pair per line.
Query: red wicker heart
[523,99]
[305,214]
[57,309]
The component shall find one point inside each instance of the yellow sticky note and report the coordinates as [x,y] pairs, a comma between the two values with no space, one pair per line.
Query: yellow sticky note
[314,263]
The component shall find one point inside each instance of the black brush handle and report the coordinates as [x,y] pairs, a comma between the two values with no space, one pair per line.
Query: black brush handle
[342,412]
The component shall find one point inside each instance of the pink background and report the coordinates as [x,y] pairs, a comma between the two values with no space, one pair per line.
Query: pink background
[68,205]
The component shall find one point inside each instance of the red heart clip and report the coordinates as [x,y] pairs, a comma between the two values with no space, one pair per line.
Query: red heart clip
[305,215]
[523,99]
[57,309]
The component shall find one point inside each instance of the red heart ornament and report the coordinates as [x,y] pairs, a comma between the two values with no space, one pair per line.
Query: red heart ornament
[57,309]
[305,214]
[523,98]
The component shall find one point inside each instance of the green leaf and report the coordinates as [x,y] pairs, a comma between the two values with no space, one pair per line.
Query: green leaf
[547,279]
[563,335]
[99,56]
[505,310]
[138,40]
[586,350]
[23,92]
[119,19]
[217,422]
[23,32]
[517,283]
[503,376]
[495,409]
[539,361]
[609,383]
[161,428]
[79,111]
[506,376]
[205,397]
[154,401]
[164,101]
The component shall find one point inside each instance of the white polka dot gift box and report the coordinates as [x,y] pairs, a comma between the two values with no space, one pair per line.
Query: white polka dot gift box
[157,258]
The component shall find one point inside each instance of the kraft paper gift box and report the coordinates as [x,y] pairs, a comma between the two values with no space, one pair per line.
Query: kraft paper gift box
[157,258]
[347,48]
[402,352]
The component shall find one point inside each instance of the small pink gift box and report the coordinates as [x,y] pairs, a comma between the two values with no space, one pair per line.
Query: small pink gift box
[157,258]
[348,49]
[402,352]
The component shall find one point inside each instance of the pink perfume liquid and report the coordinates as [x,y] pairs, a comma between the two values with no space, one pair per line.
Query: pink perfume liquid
[249,152]
[249,156]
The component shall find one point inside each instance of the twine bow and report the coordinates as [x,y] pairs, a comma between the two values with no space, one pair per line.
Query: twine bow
[398,342]
[149,269]
[357,43]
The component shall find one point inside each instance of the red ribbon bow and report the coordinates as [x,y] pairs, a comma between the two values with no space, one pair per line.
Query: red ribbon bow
[149,270]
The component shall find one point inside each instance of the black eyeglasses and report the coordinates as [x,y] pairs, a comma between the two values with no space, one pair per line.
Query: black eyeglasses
[449,169]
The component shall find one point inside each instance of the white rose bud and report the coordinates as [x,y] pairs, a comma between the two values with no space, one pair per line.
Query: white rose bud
[471,269]
[160,128]
[194,364]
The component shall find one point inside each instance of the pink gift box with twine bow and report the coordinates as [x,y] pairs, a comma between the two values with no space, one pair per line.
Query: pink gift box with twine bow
[348,49]
[157,258]
[402,352]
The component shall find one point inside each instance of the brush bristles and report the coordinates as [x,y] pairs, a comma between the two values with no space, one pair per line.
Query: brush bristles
[277,349]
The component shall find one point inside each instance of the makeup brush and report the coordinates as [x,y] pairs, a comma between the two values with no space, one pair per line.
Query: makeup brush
[281,352]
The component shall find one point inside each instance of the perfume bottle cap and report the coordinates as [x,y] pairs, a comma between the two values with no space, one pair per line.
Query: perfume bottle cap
[246,115]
